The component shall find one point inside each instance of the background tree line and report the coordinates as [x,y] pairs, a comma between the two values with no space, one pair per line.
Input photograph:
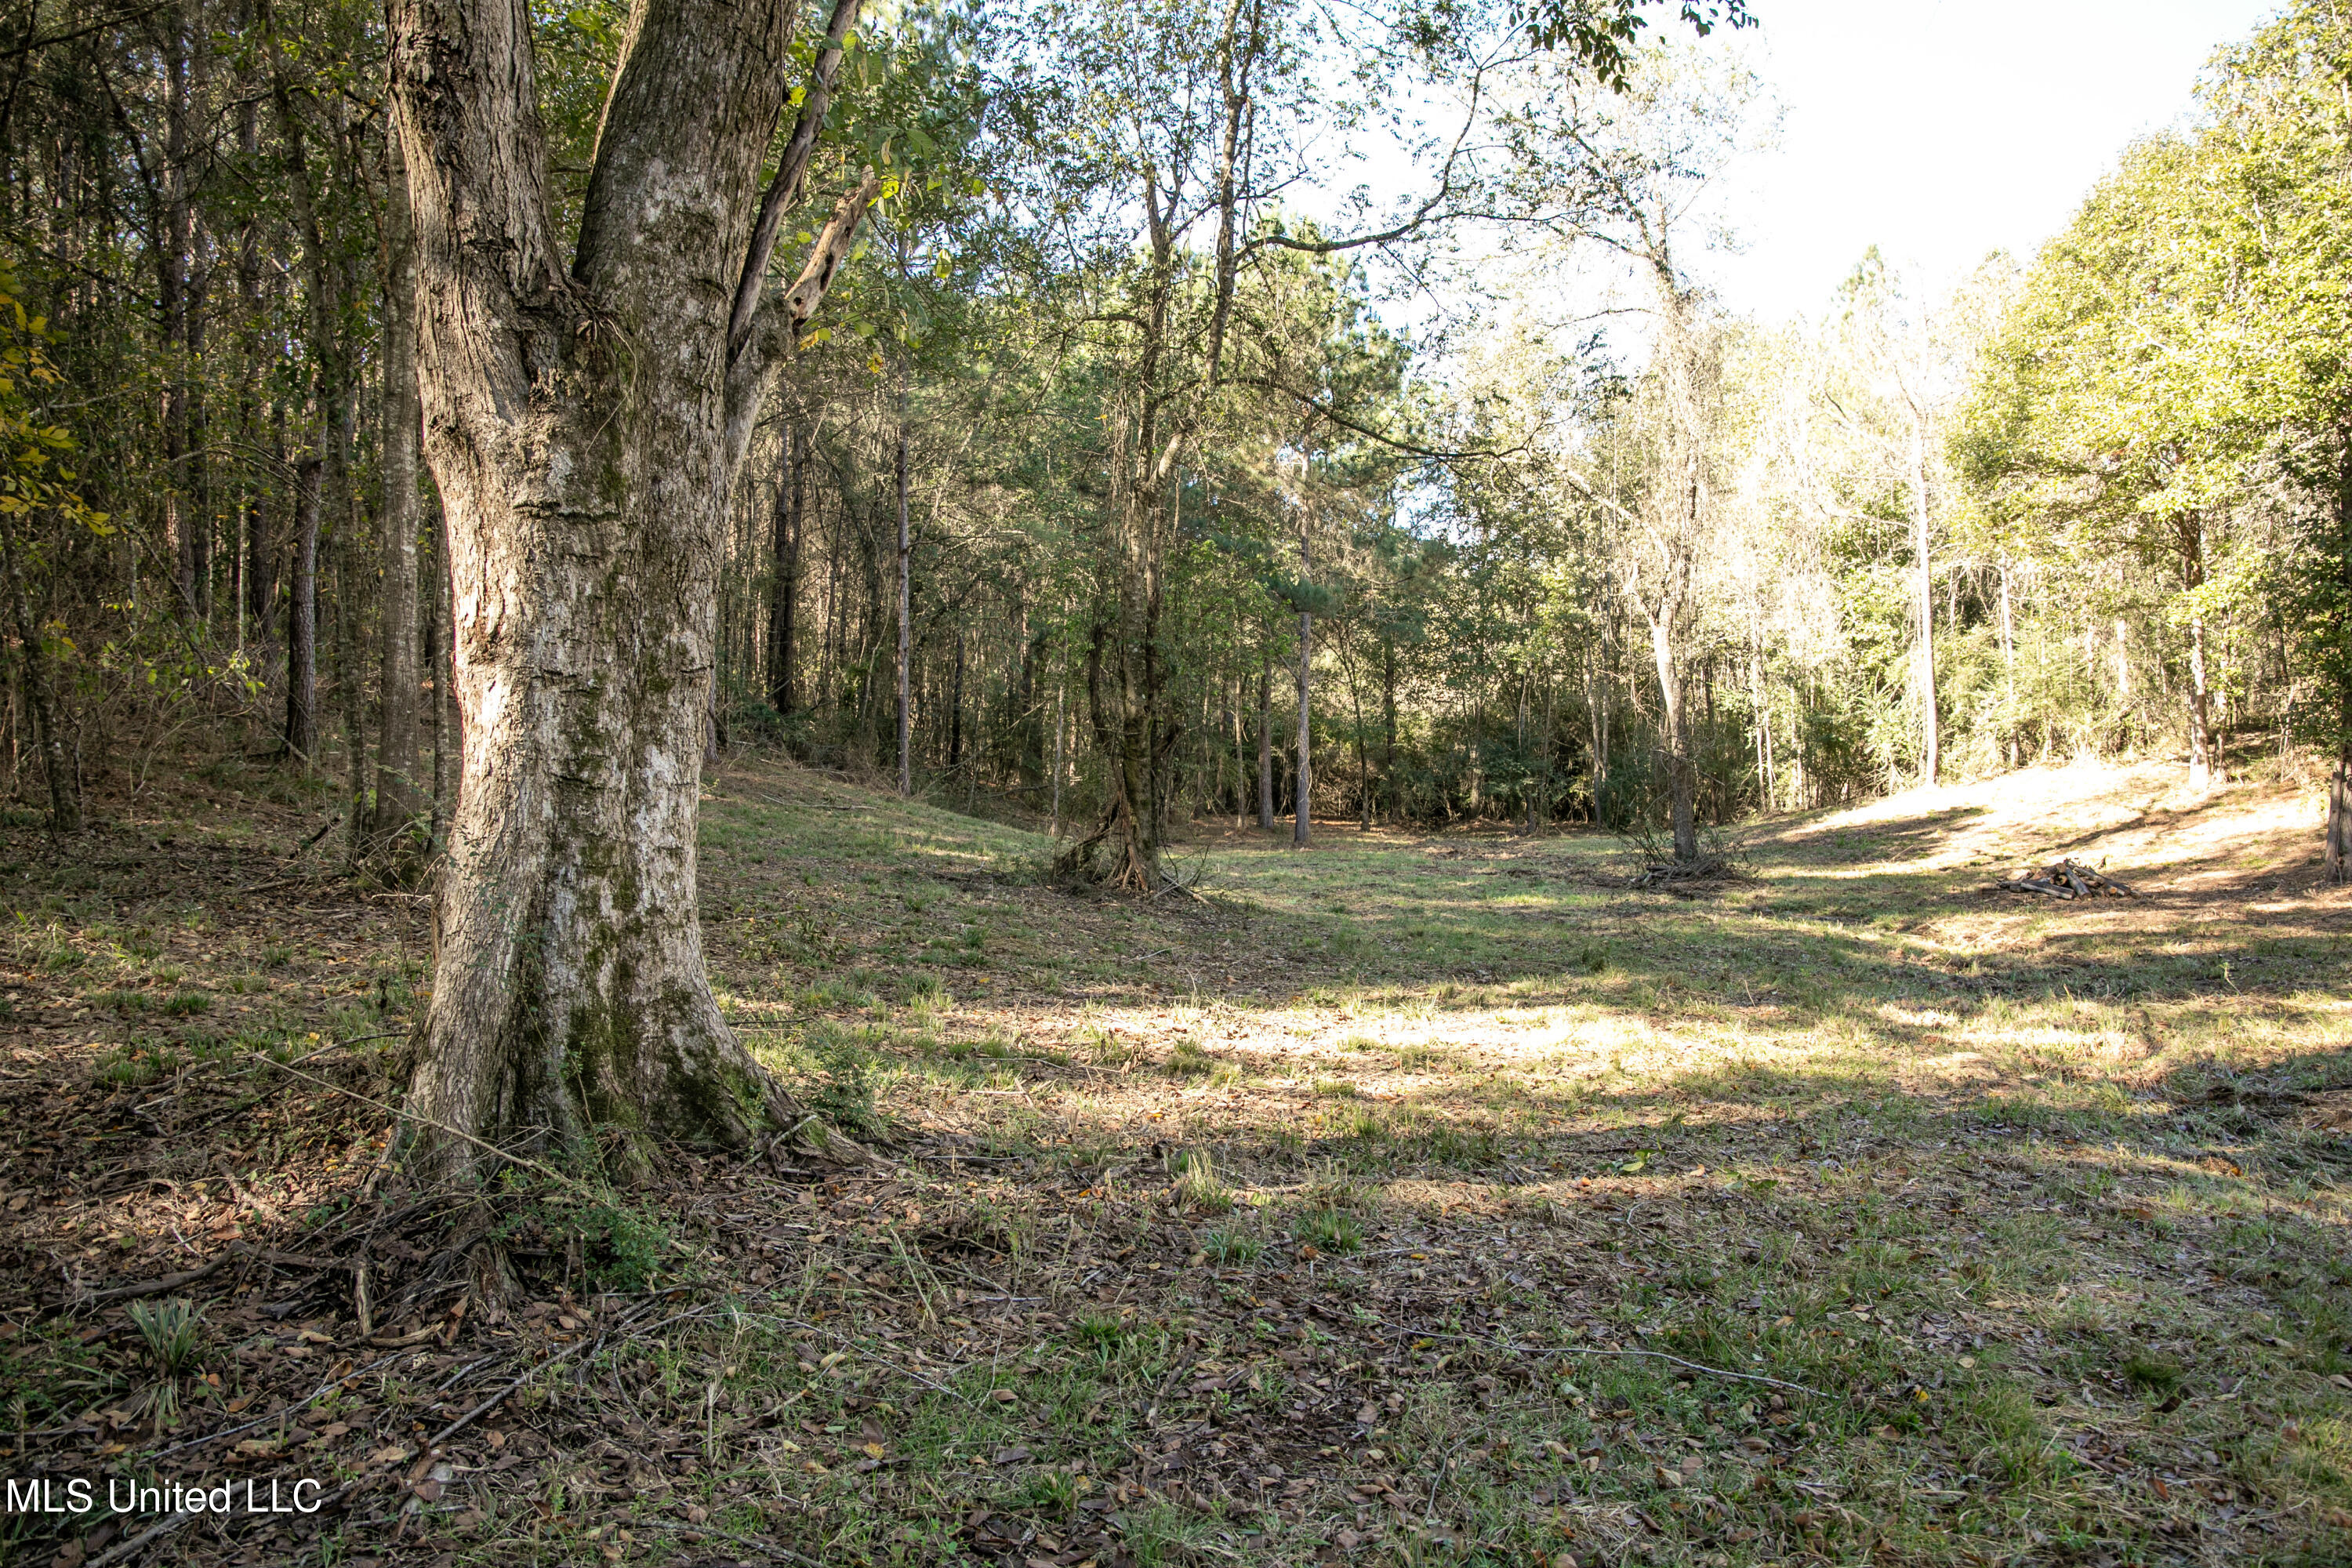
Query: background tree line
[1099,451]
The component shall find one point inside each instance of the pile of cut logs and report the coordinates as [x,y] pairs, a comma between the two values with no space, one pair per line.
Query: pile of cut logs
[2067,879]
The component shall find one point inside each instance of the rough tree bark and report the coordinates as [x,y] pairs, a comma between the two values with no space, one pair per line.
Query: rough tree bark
[585,425]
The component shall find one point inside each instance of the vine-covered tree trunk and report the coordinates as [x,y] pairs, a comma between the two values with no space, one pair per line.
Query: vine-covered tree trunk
[585,424]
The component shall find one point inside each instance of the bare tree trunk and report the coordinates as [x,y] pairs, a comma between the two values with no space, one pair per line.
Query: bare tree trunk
[175,239]
[398,803]
[1681,803]
[1394,812]
[2009,663]
[785,586]
[585,424]
[302,619]
[906,605]
[1302,819]
[2201,723]
[1061,732]
[58,760]
[2336,621]
[1930,725]
[1265,739]
[434,665]
[955,707]
[2337,847]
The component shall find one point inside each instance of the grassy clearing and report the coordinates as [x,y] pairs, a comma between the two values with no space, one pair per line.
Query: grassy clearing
[1414,1199]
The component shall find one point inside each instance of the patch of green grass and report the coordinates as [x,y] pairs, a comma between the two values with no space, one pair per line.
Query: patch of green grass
[1327,1230]
[1197,1186]
[1233,1244]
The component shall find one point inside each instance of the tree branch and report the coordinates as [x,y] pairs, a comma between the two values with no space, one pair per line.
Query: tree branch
[792,174]
[1266,383]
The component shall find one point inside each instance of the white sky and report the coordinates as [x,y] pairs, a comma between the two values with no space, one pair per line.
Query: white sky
[1940,130]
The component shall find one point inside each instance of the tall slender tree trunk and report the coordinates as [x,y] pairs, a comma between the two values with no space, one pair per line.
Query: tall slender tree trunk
[1930,725]
[2200,712]
[784,585]
[1394,811]
[955,707]
[302,619]
[585,423]
[2007,665]
[433,660]
[1061,733]
[1302,820]
[59,757]
[399,804]
[1265,739]
[1673,727]
[2336,621]
[175,239]
[905,616]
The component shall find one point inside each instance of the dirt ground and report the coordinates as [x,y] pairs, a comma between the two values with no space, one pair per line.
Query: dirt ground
[1417,1198]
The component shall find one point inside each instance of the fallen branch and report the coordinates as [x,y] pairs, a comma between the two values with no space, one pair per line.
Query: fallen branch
[124,1549]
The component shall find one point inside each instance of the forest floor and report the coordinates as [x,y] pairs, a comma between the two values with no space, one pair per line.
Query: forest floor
[1418,1198]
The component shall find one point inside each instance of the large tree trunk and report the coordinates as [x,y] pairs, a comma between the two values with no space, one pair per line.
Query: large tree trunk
[399,793]
[585,425]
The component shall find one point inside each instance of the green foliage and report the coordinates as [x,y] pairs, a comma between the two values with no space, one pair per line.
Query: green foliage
[170,1332]
[628,1244]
